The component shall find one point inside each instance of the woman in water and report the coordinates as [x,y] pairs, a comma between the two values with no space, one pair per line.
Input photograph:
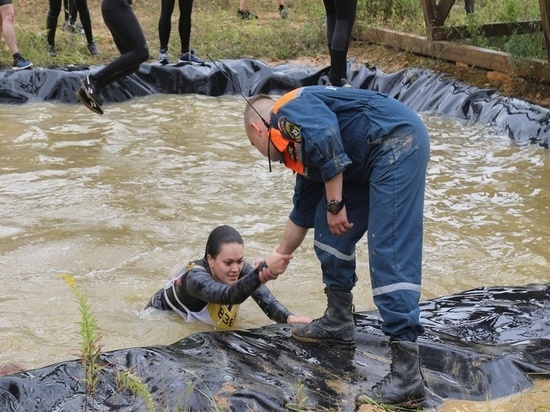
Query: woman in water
[210,289]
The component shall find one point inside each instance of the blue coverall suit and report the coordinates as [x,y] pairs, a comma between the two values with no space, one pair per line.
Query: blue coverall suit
[382,147]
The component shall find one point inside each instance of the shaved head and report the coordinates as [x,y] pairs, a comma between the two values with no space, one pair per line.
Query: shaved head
[256,115]
[263,105]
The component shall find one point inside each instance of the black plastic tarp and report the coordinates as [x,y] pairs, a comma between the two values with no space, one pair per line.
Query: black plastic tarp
[420,89]
[479,345]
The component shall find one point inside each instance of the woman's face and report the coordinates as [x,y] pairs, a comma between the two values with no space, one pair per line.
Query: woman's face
[228,264]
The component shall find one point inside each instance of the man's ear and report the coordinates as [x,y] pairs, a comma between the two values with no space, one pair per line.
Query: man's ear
[255,127]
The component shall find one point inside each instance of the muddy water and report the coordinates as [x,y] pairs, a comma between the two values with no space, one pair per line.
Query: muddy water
[120,202]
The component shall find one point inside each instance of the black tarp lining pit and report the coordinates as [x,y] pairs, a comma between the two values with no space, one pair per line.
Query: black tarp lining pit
[420,89]
[479,345]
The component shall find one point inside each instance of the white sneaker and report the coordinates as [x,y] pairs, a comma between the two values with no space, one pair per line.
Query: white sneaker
[163,58]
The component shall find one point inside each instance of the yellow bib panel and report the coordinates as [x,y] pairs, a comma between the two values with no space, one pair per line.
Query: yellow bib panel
[222,316]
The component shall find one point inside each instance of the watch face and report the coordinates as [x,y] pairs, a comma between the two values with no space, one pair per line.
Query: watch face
[334,207]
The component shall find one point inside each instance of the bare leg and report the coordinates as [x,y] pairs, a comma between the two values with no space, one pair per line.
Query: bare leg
[7,16]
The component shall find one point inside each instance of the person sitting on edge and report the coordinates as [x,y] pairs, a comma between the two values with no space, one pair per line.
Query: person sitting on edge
[210,289]
[7,17]
[360,159]
[130,42]
[244,13]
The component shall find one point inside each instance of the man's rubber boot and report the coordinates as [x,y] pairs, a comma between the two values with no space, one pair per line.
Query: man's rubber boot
[403,387]
[335,328]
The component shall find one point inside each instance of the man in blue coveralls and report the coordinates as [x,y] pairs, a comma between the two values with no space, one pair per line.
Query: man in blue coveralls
[360,158]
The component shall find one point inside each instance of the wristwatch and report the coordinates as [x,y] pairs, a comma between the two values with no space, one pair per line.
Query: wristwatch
[334,206]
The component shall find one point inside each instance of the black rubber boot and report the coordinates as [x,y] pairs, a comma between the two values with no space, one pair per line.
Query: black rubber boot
[335,328]
[403,387]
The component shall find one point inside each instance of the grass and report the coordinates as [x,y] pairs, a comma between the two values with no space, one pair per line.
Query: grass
[90,351]
[407,16]
[218,32]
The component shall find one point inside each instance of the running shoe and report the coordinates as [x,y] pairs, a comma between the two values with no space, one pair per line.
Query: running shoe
[163,57]
[190,57]
[51,51]
[91,104]
[342,83]
[92,48]
[91,90]
[20,63]
[345,84]
[246,15]
[283,11]
[68,27]
[80,29]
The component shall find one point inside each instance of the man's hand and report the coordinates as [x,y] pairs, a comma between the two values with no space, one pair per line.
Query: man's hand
[276,264]
[338,223]
[264,274]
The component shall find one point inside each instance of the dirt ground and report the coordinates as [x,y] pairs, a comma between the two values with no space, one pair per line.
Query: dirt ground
[391,61]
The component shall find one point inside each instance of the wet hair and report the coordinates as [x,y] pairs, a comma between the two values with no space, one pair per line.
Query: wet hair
[220,236]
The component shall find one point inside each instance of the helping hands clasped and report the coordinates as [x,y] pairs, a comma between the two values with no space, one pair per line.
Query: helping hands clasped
[276,262]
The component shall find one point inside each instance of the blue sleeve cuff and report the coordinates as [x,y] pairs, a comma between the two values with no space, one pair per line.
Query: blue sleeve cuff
[336,166]
[302,219]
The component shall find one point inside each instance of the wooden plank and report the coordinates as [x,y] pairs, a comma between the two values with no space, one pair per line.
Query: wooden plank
[473,56]
[487,30]
[545,18]
[428,9]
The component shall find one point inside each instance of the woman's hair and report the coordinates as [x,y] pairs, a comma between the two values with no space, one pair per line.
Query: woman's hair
[221,236]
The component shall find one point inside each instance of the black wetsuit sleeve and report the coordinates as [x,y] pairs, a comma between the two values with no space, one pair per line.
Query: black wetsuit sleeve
[202,285]
[274,309]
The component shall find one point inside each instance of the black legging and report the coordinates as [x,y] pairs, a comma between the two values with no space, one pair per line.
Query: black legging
[53,15]
[340,20]
[129,39]
[70,11]
[184,23]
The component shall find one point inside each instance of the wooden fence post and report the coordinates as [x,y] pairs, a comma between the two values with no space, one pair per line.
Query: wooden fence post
[545,19]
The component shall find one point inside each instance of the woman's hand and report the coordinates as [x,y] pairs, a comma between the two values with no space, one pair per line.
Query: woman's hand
[264,274]
[298,319]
